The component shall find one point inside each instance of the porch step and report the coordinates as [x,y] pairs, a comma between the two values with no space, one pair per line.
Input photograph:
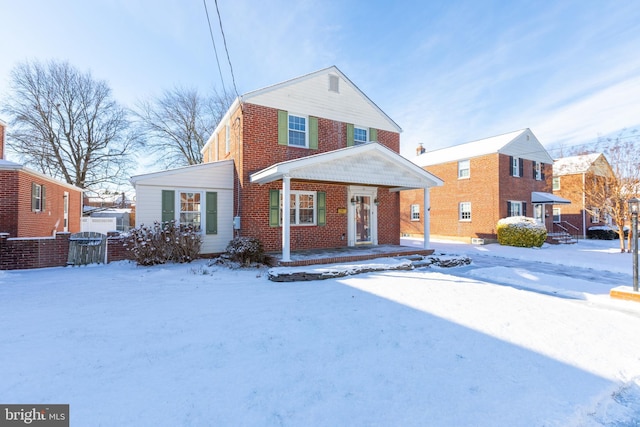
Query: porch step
[350,257]
[561,238]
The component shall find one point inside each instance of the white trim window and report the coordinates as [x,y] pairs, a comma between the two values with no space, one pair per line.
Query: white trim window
[556,183]
[303,207]
[37,197]
[415,212]
[464,211]
[557,215]
[464,169]
[515,166]
[298,135]
[360,135]
[515,209]
[227,138]
[595,215]
[538,169]
[190,216]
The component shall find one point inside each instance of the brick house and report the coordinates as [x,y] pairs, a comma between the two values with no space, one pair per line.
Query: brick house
[484,181]
[33,204]
[573,179]
[315,147]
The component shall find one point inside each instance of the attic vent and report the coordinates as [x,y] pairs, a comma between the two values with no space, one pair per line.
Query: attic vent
[334,83]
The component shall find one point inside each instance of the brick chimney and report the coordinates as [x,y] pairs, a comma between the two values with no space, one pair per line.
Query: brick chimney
[3,126]
[420,149]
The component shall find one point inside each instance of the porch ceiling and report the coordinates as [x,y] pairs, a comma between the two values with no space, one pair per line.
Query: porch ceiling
[367,164]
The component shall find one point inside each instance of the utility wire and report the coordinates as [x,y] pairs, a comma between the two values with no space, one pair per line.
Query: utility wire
[213,40]
[224,39]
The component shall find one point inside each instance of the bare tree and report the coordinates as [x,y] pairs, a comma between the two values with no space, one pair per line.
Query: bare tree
[66,124]
[178,123]
[609,193]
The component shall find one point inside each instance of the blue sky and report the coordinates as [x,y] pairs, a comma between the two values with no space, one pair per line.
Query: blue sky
[447,72]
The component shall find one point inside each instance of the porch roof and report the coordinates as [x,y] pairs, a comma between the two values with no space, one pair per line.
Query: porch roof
[366,164]
[548,199]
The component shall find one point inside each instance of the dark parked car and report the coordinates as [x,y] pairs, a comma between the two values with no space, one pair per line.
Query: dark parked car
[605,232]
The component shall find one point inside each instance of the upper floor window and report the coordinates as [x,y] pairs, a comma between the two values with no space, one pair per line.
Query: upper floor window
[334,83]
[227,141]
[595,215]
[537,171]
[297,130]
[359,135]
[37,197]
[415,212]
[556,183]
[464,169]
[464,211]
[516,166]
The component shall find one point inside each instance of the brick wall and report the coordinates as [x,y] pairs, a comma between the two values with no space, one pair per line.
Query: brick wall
[9,202]
[488,189]
[34,253]
[254,146]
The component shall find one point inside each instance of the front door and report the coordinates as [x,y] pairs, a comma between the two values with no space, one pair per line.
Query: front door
[362,218]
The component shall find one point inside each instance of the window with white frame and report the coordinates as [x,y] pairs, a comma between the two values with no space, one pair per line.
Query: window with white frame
[415,212]
[515,166]
[538,171]
[227,141]
[557,215]
[37,197]
[297,130]
[464,169]
[464,211]
[556,183]
[515,209]
[595,215]
[302,207]
[359,136]
[190,216]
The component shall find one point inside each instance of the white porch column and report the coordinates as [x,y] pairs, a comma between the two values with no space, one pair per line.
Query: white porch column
[427,219]
[286,218]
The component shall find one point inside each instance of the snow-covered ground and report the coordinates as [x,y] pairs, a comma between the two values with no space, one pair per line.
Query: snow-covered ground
[522,337]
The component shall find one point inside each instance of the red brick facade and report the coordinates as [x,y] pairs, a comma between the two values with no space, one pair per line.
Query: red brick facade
[18,219]
[254,146]
[488,188]
[571,187]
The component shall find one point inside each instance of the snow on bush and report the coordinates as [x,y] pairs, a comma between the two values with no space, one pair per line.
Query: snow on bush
[162,243]
[521,231]
[245,250]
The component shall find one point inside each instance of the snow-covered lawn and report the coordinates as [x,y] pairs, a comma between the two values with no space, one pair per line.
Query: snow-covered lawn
[507,341]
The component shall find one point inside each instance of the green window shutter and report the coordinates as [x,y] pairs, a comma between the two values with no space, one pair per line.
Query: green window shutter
[43,198]
[274,208]
[168,205]
[283,127]
[322,208]
[211,210]
[313,133]
[34,200]
[373,134]
[349,135]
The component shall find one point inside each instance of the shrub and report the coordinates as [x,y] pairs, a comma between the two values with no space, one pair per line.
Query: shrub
[162,243]
[246,250]
[521,231]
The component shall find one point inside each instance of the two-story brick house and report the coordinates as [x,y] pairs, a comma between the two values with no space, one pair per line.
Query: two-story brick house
[484,181]
[577,178]
[316,148]
[33,204]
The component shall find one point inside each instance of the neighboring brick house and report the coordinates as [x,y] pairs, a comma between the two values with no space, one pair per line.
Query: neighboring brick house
[484,181]
[317,148]
[574,178]
[33,204]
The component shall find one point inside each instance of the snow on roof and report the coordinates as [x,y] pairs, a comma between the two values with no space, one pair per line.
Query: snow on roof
[481,147]
[574,164]
[6,164]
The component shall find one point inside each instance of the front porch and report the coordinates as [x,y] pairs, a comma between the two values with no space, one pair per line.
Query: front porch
[347,254]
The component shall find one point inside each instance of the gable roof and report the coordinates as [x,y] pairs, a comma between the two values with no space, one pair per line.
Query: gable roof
[12,166]
[521,143]
[593,162]
[361,164]
[310,94]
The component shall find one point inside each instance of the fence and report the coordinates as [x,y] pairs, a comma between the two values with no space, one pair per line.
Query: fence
[98,224]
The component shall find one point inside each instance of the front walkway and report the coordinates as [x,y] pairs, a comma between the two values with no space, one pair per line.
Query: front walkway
[347,254]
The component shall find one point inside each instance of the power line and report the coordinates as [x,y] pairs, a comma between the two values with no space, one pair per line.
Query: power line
[224,39]
[213,40]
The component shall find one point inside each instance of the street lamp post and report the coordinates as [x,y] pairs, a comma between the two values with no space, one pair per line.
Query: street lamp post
[634,208]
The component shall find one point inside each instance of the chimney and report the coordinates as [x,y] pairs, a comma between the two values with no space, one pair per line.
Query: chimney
[3,126]
[420,149]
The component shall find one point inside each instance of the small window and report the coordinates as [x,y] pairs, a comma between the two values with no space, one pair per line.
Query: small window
[415,212]
[360,136]
[302,209]
[37,198]
[334,83]
[515,209]
[465,211]
[557,215]
[538,171]
[556,183]
[190,211]
[297,131]
[515,166]
[595,215]
[464,169]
